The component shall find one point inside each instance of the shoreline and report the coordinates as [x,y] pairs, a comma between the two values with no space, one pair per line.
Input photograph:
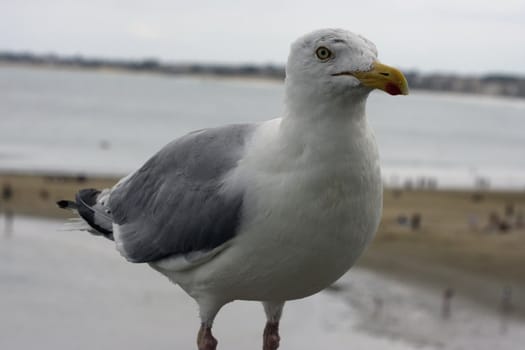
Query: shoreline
[415,180]
[453,247]
[243,78]
[118,70]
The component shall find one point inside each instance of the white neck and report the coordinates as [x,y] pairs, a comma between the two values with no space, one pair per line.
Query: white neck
[325,128]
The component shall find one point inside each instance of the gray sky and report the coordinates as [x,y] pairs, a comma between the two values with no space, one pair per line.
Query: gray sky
[464,36]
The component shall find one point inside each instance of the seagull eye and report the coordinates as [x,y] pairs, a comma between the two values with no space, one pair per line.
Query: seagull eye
[323,53]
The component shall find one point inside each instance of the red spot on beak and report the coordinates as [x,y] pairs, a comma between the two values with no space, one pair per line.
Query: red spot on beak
[393,89]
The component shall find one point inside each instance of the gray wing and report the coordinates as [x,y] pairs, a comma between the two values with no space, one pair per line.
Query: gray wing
[173,204]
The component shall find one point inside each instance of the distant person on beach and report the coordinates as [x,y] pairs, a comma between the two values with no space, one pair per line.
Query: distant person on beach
[7,194]
[497,224]
[509,210]
[415,221]
[493,222]
[446,307]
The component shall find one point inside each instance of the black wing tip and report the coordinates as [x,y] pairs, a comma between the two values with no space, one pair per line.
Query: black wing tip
[64,204]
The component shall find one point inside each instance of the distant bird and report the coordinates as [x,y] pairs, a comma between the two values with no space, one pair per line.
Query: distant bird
[269,212]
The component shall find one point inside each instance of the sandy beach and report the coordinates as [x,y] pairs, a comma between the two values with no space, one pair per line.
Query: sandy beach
[454,246]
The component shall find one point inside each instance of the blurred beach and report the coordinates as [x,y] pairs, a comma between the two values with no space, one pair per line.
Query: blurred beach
[60,290]
[445,270]
[71,290]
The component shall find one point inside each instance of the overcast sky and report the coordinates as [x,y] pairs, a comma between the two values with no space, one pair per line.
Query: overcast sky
[465,36]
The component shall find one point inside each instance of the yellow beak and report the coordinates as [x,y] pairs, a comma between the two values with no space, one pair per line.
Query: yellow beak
[383,77]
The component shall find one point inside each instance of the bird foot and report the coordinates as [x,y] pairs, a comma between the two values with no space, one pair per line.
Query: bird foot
[205,340]
[271,336]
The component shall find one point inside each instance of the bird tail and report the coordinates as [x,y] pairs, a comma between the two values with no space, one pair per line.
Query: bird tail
[93,207]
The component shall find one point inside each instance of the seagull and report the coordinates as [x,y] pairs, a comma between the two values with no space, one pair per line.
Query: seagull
[268,212]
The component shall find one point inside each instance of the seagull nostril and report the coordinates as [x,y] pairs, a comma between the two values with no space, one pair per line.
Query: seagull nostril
[385,74]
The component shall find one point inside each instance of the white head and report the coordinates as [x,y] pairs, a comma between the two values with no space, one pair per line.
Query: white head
[337,67]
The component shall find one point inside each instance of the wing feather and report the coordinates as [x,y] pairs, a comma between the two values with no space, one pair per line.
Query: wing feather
[174,204]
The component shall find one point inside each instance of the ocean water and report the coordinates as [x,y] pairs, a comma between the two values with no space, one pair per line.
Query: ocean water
[110,123]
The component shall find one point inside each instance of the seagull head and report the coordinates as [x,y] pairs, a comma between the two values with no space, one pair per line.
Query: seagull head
[331,65]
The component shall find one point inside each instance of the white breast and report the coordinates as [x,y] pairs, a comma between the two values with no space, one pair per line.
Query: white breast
[308,215]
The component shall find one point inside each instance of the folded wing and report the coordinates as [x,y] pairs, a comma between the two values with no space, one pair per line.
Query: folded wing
[175,204]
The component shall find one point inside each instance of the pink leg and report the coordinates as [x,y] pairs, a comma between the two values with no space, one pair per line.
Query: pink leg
[271,336]
[205,340]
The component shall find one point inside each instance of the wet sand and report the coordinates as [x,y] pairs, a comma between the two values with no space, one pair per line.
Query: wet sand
[454,247]
[70,290]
